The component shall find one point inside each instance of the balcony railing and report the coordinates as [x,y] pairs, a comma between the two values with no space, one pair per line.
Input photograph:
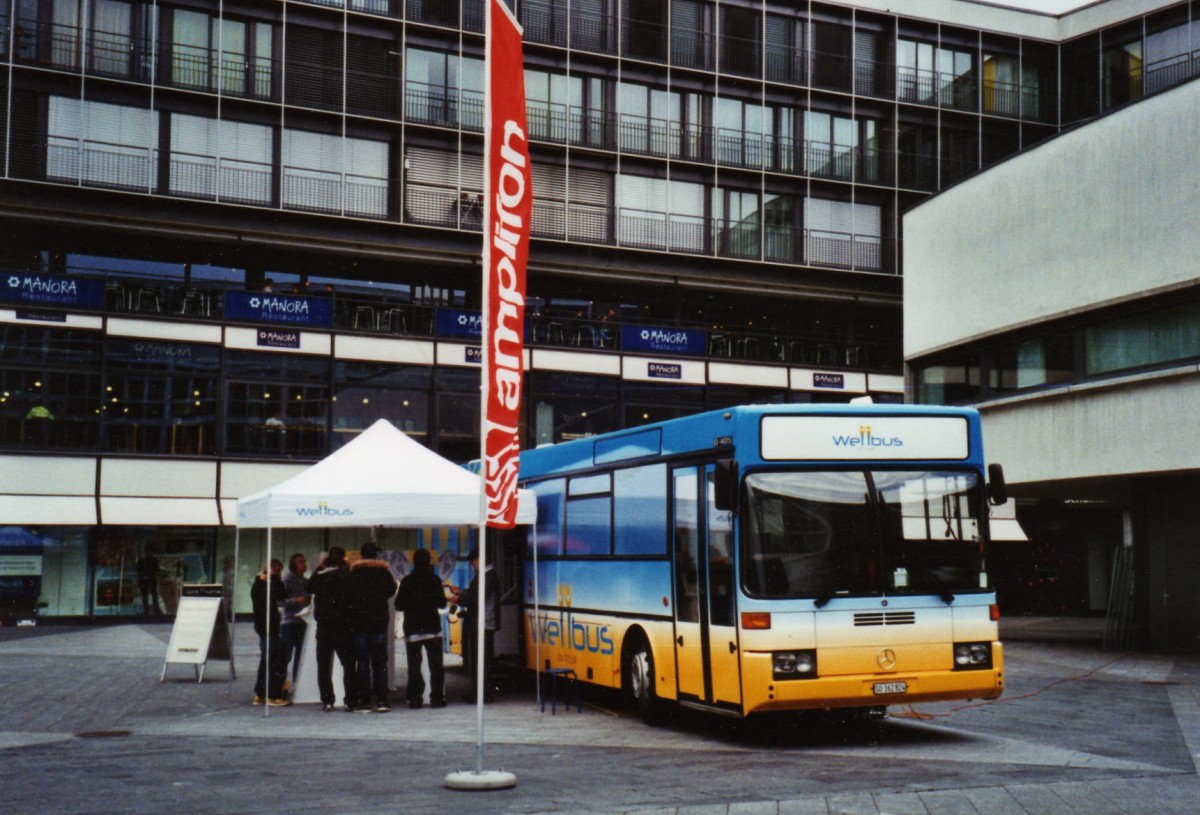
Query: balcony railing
[314,190]
[446,107]
[644,40]
[668,232]
[101,164]
[220,179]
[935,88]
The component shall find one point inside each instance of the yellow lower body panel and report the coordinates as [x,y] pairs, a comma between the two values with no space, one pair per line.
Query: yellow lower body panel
[763,693]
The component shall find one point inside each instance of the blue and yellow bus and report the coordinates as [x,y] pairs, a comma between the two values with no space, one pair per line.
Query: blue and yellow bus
[768,558]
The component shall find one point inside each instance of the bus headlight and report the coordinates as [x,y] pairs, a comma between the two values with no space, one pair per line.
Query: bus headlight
[969,656]
[794,664]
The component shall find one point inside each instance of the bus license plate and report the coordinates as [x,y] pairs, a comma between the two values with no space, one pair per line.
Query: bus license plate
[890,687]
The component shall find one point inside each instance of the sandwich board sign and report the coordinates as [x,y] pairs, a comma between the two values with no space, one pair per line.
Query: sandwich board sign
[201,631]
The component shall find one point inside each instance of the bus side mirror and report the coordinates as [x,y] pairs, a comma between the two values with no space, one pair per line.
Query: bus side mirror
[996,488]
[725,482]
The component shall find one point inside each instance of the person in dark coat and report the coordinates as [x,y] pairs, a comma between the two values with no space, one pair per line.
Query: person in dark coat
[329,587]
[420,597]
[266,594]
[471,607]
[371,588]
[147,575]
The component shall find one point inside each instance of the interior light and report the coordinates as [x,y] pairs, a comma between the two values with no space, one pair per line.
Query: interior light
[115,400]
[366,401]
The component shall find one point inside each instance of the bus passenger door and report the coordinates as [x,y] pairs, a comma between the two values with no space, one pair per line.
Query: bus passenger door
[706,646]
[722,635]
[689,653]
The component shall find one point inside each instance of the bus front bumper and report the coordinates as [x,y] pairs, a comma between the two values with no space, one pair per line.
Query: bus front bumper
[765,694]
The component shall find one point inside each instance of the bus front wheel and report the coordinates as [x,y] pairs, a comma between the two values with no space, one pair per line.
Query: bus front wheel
[639,680]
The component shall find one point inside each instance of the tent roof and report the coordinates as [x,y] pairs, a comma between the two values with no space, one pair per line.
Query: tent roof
[381,478]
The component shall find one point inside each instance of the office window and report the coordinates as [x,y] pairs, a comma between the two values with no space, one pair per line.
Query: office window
[48,32]
[276,404]
[544,21]
[1001,89]
[160,397]
[742,132]
[548,101]
[916,157]
[589,202]
[326,173]
[644,29]
[736,223]
[654,213]
[950,383]
[931,75]
[831,60]
[443,188]
[741,41]
[49,388]
[648,120]
[960,154]
[367,391]
[1139,340]
[842,235]
[1034,362]
[781,218]
[315,75]
[121,41]
[691,34]
[100,144]
[234,56]
[1168,53]
[220,160]
[443,89]
[830,145]
[591,26]
[1121,71]
[561,108]
[787,49]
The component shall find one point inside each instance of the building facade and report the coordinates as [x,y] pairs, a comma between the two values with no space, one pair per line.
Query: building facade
[1088,384]
[237,234]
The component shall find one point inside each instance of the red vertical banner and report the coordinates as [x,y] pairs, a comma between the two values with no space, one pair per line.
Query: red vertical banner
[507,206]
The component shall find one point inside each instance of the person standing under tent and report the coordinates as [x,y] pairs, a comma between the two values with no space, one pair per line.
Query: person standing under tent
[266,594]
[293,624]
[372,586]
[329,588]
[468,601]
[420,597]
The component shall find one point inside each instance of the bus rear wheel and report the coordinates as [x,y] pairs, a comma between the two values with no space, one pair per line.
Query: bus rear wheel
[638,680]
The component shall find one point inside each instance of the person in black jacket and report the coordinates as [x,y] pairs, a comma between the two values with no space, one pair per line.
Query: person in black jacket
[468,602]
[420,597]
[266,594]
[330,589]
[371,588]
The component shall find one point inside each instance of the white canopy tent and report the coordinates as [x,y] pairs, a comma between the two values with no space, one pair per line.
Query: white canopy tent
[381,478]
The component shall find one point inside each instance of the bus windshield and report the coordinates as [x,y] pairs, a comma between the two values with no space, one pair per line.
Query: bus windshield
[832,533]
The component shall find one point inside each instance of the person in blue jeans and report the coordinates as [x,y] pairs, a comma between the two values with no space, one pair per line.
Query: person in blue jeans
[372,585]
[266,594]
[293,625]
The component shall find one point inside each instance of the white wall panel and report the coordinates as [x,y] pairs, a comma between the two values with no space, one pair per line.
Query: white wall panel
[1058,229]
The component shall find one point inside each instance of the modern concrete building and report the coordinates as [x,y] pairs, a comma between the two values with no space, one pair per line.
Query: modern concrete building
[1059,292]
[237,234]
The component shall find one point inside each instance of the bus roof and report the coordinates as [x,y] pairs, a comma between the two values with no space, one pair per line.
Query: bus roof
[703,432]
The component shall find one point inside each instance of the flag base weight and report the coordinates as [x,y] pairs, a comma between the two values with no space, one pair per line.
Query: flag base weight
[481,780]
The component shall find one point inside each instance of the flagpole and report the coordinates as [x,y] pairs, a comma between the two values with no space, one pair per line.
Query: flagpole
[480,779]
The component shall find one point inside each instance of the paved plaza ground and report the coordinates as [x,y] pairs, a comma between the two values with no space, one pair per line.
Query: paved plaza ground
[86,727]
